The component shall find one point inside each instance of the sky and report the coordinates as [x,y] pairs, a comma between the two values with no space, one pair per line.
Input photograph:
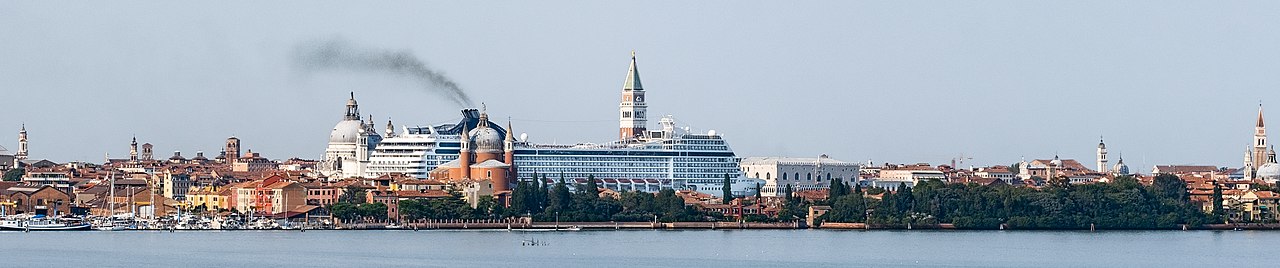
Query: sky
[1165,82]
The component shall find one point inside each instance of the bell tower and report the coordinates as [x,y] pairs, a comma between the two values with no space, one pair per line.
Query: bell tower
[22,144]
[1259,141]
[1102,156]
[631,117]
[133,150]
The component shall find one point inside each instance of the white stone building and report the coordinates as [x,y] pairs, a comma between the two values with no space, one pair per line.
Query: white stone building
[800,173]
[349,145]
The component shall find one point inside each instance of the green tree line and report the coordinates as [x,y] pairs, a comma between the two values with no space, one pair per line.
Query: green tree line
[1123,203]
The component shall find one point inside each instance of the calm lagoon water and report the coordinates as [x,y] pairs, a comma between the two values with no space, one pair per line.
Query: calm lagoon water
[641,248]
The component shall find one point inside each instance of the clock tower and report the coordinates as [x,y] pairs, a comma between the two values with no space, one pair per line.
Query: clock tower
[631,117]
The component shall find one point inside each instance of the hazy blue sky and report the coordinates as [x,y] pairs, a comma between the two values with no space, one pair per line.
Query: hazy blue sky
[1166,82]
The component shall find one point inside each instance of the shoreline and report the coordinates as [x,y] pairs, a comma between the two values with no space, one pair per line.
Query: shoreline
[687,226]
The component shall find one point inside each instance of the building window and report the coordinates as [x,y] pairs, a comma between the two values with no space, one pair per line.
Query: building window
[808,176]
[768,176]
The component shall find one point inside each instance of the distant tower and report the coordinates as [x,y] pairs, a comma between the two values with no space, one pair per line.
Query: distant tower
[509,156]
[22,144]
[1248,168]
[1271,156]
[133,150]
[146,152]
[353,110]
[1102,155]
[232,149]
[631,121]
[1259,141]
[391,129]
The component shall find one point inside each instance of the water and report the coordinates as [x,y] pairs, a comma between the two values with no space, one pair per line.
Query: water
[645,248]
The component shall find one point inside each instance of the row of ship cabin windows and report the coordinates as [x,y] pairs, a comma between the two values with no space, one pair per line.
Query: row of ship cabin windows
[807,176]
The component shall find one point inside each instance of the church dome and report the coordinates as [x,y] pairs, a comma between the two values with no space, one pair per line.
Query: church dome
[347,131]
[1121,168]
[486,140]
[1269,171]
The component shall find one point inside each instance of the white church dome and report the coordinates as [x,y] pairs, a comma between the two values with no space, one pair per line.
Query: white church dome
[347,131]
[1269,171]
[487,140]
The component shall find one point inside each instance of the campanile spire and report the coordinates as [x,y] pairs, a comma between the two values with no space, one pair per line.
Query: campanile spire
[632,109]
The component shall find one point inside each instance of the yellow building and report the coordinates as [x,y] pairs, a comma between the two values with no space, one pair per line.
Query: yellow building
[212,198]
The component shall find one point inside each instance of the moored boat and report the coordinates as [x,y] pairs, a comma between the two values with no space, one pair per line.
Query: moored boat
[43,223]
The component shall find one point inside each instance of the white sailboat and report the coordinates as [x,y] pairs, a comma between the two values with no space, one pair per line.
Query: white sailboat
[114,222]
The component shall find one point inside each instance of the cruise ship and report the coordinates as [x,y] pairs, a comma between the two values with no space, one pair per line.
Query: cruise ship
[640,160]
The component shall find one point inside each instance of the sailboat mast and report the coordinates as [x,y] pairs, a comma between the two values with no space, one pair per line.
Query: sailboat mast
[111,176]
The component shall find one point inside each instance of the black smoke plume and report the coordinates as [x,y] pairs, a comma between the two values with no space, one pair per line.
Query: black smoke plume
[340,54]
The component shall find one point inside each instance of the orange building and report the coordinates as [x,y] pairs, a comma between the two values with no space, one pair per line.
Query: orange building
[485,155]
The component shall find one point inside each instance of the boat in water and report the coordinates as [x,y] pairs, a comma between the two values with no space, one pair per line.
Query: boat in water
[43,223]
[117,222]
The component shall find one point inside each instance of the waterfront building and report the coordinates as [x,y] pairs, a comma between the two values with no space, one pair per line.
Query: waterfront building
[36,198]
[322,194]
[211,198]
[893,176]
[350,143]
[270,195]
[800,173]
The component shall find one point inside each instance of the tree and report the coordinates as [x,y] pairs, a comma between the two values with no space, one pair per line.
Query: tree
[836,190]
[412,209]
[560,197]
[1169,186]
[727,193]
[1217,201]
[353,194]
[14,174]
[790,206]
[373,210]
[1015,168]
[345,211]
[857,188]
[521,196]
[544,192]
[592,188]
